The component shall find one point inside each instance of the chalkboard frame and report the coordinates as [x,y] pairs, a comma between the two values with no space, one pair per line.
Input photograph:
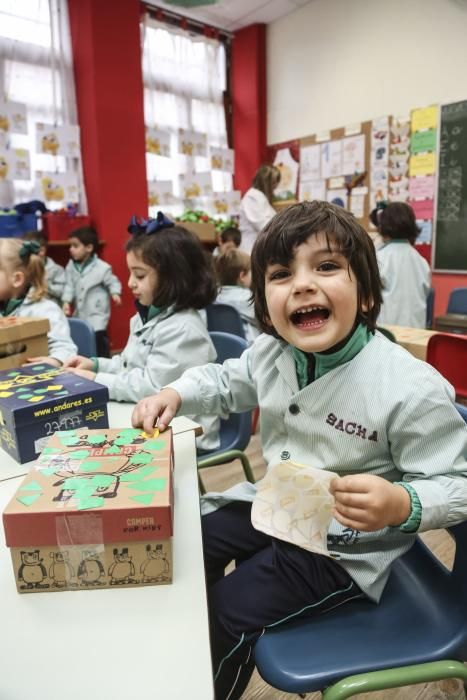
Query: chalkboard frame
[436,264]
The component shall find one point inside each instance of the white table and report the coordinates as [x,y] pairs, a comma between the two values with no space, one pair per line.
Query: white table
[112,644]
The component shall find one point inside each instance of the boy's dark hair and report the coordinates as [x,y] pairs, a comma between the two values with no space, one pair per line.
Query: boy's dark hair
[232,233]
[87,236]
[38,236]
[230,264]
[185,271]
[293,226]
[397,221]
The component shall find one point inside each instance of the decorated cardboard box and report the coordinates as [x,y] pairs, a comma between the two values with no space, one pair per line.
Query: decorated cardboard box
[206,232]
[95,511]
[21,338]
[37,400]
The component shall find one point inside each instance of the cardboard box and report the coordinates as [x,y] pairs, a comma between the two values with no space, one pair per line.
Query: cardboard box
[21,338]
[205,232]
[96,510]
[37,400]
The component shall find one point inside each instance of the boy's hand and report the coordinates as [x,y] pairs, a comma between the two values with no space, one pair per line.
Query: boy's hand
[156,410]
[78,361]
[66,306]
[367,502]
[117,299]
[47,360]
[85,373]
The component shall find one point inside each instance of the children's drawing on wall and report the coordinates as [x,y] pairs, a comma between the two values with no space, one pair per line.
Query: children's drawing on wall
[288,168]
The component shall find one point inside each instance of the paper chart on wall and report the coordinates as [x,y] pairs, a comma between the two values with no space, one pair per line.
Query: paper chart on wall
[192,143]
[226,203]
[294,504]
[158,141]
[61,140]
[288,168]
[310,190]
[338,197]
[160,193]
[356,206]
[422,187]
[331,159]
[426,231]
[13,118]
[57,187]
[195,185]
[422,164]
[423,141]
[423,208]
[222,159]
[425,118]
[15,164]
[310,162]
[353,154]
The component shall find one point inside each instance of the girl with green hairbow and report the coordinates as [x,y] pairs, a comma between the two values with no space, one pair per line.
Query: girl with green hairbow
[23,293]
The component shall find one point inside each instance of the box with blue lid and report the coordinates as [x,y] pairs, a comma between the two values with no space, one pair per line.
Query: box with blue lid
[37,400]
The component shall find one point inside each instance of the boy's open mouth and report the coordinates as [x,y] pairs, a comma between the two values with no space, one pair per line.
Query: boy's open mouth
[309,316]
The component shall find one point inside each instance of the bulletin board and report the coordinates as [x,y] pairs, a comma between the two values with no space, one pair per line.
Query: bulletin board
[340,183]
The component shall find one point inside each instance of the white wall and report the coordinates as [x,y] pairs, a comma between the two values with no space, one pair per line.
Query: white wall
[335,62]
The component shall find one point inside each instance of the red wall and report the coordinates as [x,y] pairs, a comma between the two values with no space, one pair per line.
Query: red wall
[248,88]
[109,89]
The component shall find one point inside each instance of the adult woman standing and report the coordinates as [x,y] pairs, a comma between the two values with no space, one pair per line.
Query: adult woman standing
[256,205]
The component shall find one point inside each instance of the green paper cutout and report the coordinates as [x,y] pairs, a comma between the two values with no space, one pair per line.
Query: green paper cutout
[145,498]
[40,367]
[60,393]
[32,486]
[48,471]
[28,500]
[112,450]
[41,390]
[102,480]
[89,466]
[23,396]
[97,439]
[130,432]
[154,445]
[79,454]
[69,441]
[13,374]
[148,485]
[92,502]
[138,474]
[123,440]
[50,450]
[140,458]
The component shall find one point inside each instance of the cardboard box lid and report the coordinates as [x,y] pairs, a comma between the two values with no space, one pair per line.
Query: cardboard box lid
[95,486]
[33,391]
[14,329]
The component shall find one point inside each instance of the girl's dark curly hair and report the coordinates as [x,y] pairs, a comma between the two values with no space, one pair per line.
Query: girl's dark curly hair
[185,272]
[293,226]
[397,221]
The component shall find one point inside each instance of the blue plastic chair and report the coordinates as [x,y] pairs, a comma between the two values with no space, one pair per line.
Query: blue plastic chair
[457,303]
[430,304]
[84,336]
[224,318]
[235,431]
[416,634]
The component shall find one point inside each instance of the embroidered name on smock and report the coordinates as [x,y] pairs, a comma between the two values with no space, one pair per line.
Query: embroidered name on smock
[351,428]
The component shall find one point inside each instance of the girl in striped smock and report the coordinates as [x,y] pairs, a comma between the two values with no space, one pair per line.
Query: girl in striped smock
[334,394]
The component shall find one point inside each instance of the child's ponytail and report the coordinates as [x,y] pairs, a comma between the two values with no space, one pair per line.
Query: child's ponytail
[17,254]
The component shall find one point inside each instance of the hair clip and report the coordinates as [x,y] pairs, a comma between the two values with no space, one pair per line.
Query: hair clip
[139,226]
[28,248]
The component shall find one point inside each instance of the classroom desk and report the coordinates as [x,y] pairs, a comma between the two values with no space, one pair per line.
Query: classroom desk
[112,644]
[414,340]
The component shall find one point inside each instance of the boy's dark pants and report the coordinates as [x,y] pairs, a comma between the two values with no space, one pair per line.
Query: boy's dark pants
[273,580]
[102,344]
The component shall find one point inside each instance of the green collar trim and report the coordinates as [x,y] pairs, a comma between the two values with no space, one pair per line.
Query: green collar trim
[325,362]
[81,266]
[10,305]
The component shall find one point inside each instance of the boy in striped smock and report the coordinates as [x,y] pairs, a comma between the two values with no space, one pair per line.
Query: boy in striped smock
[334,394]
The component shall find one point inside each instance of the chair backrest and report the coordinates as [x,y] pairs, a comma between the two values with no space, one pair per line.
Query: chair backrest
[457,303]
[84,336]
[225,319]
[430,304]
[235,431]
[447,352]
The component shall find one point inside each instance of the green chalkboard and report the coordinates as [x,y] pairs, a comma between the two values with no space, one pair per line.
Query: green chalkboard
[450,246]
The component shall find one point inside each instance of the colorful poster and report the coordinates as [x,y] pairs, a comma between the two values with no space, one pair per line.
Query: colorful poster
[312,189]
[357,203]
[310,162]
[58,140]
[426,231]
[422,187]
[226,203]
[422,164]
[192,143]
[423,208]
[331,159]
[15,164]
[160,193]
[195,185]
[423,141]
[158,141]
[426,118]
[13,118]
[222,159]
[57,187]
[288,168]
[338,197]
[353,155]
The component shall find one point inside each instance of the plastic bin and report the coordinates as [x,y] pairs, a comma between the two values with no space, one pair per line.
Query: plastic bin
[14,225]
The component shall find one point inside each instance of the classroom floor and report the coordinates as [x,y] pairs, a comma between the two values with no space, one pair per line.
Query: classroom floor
[221,478]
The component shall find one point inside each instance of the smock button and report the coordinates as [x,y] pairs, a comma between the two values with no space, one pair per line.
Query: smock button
[294,409]
[125,363]
[285,454]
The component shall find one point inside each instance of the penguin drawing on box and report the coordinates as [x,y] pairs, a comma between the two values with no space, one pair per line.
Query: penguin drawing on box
[32,571]
[61,571]
[122,570]
[90,569]
[156,567]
